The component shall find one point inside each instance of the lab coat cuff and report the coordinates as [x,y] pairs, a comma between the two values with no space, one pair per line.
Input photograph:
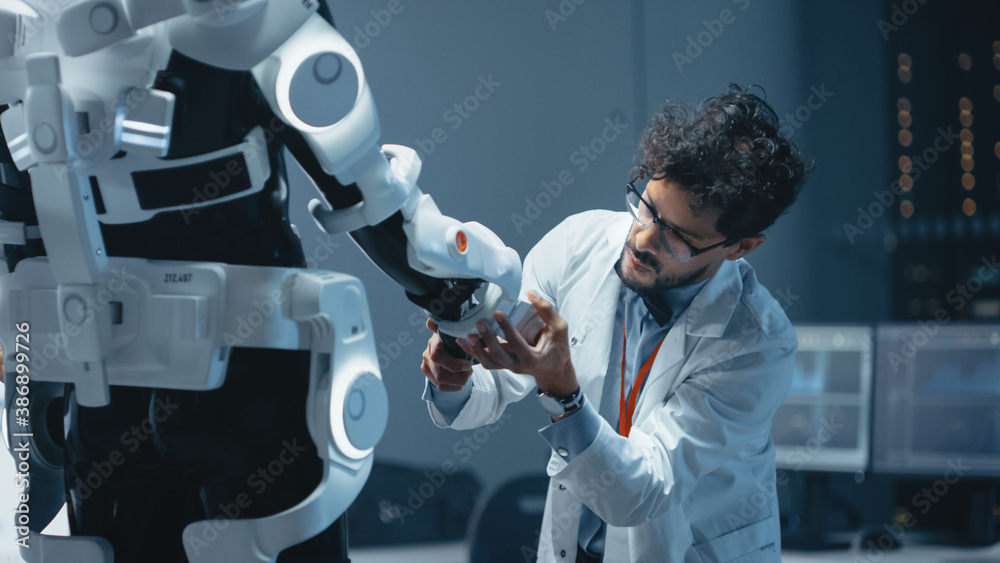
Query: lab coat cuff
[560,469]
[446,405]
[573,434]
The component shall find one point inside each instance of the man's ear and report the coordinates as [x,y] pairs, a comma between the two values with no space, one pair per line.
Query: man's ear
[745,246]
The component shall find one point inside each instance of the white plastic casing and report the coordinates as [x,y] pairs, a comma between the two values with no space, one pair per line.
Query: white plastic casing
[336,145]
[89,25]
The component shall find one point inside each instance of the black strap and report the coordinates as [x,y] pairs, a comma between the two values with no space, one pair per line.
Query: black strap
[191,184]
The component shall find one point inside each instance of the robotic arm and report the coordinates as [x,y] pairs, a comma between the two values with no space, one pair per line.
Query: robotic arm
[458,272]
[313,81]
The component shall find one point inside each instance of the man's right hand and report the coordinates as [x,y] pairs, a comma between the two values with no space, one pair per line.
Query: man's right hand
[446,372]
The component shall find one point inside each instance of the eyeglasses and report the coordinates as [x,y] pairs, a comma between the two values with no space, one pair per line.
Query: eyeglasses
[673,242]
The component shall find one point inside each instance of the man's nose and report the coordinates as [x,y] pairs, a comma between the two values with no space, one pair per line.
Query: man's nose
[648,239]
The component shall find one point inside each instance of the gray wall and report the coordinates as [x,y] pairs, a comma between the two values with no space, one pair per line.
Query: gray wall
[605,60]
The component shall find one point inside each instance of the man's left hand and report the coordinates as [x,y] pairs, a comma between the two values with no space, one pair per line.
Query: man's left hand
[548,361]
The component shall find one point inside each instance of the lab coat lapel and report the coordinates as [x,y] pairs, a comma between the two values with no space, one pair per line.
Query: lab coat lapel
[591,338]
[707,316]
[664,371]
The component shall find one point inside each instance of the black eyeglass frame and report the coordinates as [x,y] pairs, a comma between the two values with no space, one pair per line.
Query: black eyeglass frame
[694,250]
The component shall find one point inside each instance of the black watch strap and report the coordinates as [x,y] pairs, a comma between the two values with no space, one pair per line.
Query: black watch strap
[561,406]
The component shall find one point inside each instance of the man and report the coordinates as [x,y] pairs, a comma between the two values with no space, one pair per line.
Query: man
[666,359]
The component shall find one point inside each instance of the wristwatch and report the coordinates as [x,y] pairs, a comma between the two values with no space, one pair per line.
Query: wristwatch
[561,407]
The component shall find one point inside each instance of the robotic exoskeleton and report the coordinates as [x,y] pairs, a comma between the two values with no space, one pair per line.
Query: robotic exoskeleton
[173,372]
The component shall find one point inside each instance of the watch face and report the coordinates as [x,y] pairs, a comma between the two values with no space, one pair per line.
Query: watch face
[551,405]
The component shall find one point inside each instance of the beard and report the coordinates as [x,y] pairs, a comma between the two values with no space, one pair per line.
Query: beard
[662,282]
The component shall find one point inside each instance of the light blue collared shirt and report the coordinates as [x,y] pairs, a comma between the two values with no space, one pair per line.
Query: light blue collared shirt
[578,431]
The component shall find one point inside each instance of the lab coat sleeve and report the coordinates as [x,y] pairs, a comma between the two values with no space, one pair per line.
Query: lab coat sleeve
[544,272]
[573,434]
[715,414]
[448,404]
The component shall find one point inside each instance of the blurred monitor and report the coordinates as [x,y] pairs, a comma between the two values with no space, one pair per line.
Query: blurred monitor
[823,425]
[937,399]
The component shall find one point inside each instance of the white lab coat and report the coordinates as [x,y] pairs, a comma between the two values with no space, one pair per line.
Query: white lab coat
[695,480]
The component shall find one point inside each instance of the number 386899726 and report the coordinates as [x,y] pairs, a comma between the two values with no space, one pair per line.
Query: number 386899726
[21,341]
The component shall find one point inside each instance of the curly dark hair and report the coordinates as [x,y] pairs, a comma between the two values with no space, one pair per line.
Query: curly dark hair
[728,154]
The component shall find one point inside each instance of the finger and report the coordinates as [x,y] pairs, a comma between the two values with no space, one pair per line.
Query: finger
[452,379]
[469,345]
[437,368]
[432,325]
[442,357]
[426,368]
[436,383]
[444,360]
[443,372]
[515,342]
[493,347]
[474,348]
[546,311]
[433,343]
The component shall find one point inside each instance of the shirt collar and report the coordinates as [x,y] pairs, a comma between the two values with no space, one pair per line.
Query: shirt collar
[665,306]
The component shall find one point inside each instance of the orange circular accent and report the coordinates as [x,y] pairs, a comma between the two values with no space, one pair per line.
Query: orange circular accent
[965,119]
[905,137]
[905,164]
[906,182]
[965,61]
[996,47]
[904,119]
[903,104]
[967,149]
[461,242]
[967,163]
[906,209]
[969,207]
[904,75]
[968,181]
[966,136]
[904,60]
[965,104]
[996,62]
[996,149]
[996,92]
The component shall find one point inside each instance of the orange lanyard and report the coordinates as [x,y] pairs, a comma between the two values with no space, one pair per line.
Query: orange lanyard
[625,414]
